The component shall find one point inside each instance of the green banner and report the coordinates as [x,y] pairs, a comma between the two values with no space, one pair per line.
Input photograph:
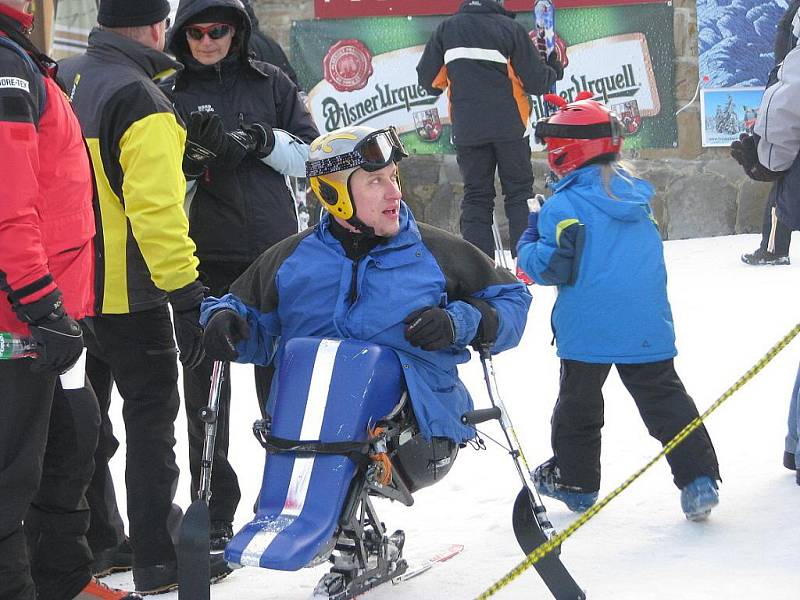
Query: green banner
[362,71]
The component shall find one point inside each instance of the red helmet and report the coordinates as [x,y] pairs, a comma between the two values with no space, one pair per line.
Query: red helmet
[578,132]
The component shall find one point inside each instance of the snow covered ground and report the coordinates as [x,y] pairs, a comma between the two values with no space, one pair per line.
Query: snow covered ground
[640,546]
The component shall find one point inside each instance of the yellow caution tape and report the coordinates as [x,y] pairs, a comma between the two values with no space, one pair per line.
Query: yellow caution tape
[559,538]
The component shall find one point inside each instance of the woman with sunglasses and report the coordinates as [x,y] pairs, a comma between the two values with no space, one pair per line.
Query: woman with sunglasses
[246,131]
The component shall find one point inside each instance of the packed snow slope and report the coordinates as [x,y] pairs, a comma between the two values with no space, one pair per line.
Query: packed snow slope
[640,547]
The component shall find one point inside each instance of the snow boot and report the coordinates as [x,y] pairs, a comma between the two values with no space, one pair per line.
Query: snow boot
[699,497]
[95,590]
[546,480]
[221,533]
[113,560]
[764,257]
[157,579]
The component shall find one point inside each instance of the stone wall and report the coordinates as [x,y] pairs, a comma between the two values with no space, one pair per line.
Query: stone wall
[700,191]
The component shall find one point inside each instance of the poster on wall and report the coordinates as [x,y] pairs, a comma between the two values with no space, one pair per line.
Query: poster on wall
[728,112]
[363,71]
[735,44]
[347,9]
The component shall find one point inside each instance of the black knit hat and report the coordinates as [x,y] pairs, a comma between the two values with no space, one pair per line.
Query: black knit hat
[216,14]
[128,13]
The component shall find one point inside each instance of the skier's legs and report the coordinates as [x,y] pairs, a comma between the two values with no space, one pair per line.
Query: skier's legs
[577,422]
[58,518]
[793,431]
[106,529]
[477,165]
[141,351]
[775,236]
[24,420]
[516,179]
[666,408]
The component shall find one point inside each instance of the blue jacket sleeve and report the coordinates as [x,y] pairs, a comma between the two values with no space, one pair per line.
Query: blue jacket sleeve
[554,258]
[259,348]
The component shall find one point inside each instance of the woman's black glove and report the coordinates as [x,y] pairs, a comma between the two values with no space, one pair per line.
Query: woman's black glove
[224,330]
[204,139]
[257,138]
[430,329]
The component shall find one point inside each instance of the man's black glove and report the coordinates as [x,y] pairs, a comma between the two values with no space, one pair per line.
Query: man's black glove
[204,139]
[488,326]
[555,64]
[430,329]
[745,152]
[257,138]
[59,337]
[224,330]
[186,315]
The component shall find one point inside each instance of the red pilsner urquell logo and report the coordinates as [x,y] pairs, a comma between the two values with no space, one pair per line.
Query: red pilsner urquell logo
[348,65]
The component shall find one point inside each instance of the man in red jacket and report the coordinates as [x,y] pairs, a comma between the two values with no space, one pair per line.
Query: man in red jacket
[46,274]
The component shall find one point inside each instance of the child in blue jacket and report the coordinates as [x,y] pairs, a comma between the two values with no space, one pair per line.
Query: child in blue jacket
[597,240]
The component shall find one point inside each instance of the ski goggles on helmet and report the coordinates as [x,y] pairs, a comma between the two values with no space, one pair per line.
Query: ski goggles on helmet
[215,31]
[613,128]
[377,150]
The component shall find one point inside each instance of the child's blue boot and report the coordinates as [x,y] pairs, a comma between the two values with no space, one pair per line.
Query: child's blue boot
[699,497]
[546,481]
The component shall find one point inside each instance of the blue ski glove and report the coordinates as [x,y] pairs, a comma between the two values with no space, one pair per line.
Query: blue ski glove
[531,234]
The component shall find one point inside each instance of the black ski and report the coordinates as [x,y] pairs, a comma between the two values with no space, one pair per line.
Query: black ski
[193,549]
[530,536]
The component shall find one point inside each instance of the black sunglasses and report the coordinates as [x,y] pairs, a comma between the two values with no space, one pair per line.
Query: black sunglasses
[215,31]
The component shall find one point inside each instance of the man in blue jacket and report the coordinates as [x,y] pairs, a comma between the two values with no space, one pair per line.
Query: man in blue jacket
[369,271]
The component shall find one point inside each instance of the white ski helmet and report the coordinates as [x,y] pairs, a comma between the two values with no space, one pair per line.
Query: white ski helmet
[334,157]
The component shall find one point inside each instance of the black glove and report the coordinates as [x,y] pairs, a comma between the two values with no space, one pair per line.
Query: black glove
[59,337]
[555,64]
[430,329]
[186,316]
[488,326]
[257,138]
[224,330]
[204,139]
[745,152]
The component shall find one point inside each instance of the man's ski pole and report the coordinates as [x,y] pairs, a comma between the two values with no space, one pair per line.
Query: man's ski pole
[532,526]
[194,575]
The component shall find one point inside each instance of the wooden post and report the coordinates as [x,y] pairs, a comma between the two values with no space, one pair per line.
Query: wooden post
[44,11]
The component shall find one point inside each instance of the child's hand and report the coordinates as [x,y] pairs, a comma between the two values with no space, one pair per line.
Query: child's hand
[531,234]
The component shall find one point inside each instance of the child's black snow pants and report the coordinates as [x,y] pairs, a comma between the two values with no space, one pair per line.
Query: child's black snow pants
[663,404]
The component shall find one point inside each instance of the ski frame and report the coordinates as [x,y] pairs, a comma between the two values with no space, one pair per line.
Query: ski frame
[531,532]
[194,576]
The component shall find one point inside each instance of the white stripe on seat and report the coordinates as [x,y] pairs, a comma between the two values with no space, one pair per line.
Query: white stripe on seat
[303,466]
[474,54]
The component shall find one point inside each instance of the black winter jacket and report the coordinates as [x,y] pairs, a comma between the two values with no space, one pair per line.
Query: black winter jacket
[490,65]
[236,214]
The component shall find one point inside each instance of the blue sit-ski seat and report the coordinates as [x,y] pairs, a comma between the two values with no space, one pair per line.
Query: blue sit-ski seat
[330,391]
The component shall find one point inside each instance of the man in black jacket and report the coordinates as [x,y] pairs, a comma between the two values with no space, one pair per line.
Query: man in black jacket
[247,129]
[490,65]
